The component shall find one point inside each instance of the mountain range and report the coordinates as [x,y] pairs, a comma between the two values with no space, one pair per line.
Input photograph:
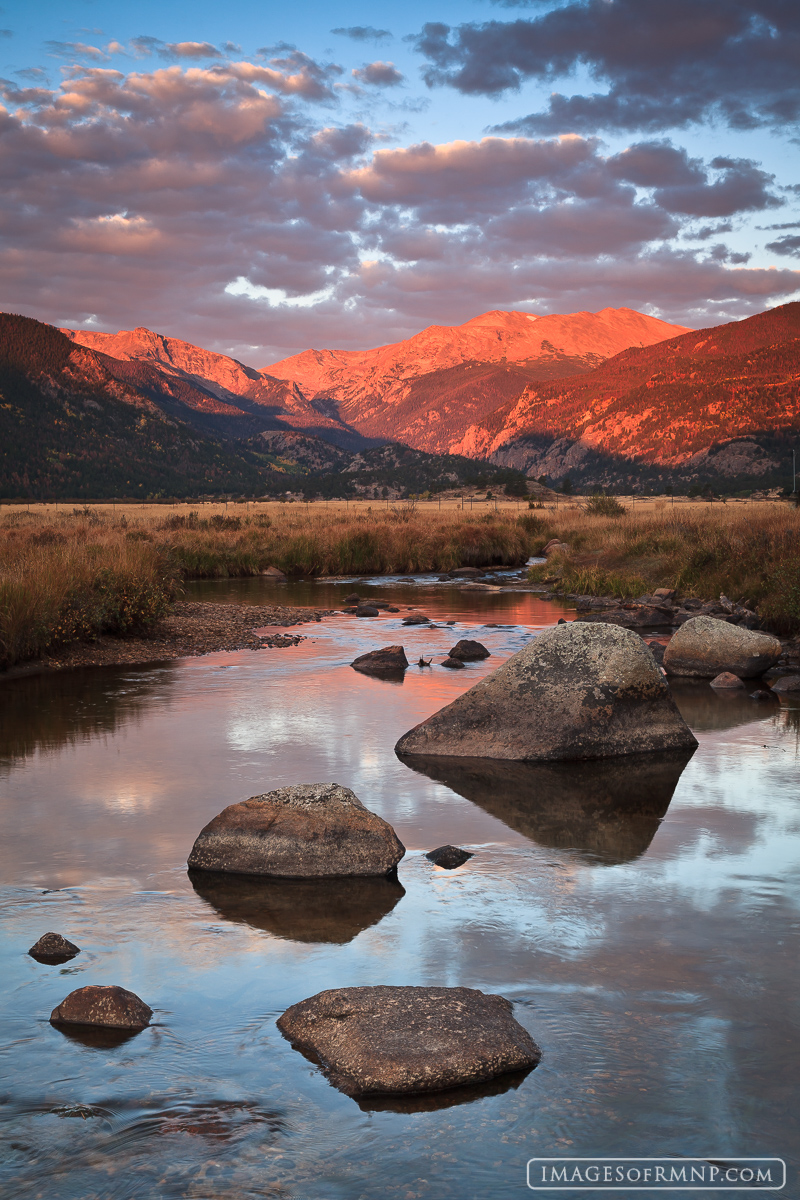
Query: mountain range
[610,398]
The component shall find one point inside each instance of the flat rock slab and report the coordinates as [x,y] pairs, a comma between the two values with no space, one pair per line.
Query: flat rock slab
[469,651]
[53,948]
[109,1007]
[449,857]
[390,660]
[703,647]
[313,830]
[374,1041]
[727,680]
[416,619]
[577,691]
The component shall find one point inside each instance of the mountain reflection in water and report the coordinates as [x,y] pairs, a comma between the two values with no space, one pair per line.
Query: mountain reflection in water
[300,910]
[608,809]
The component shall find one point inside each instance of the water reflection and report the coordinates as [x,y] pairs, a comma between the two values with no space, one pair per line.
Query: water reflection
[300,910]
[48,712]
[608,810]
[705,708]
[436,1101]
[97,1037]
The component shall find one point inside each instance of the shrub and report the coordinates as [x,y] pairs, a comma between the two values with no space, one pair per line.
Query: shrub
[604,506]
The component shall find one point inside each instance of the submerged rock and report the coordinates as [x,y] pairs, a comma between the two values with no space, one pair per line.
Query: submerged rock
[409,1040]
[389,661]
[705,646]
[416,619]
[53,948]
[367,610]
[469,651]
[449,857]
[453,664]
[576,691]
[332,911]
[727,680]
[110,1007]
[312,830]
[466,573]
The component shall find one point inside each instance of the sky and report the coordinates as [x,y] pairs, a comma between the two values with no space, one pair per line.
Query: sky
[260,178]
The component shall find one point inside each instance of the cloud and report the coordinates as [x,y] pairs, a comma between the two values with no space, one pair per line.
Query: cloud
[660,63]
[74,50]
[190,50]
[786,245]
[682,185]
[378,74]
[206,200]
[145,46]
[363,33]
[6,33]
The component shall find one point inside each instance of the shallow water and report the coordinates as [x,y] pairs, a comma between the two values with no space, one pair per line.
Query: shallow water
[642,916]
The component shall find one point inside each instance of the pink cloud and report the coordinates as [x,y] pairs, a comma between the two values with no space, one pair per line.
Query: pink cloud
[141,197]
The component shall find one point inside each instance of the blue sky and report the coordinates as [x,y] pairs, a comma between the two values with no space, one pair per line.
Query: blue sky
[245,177]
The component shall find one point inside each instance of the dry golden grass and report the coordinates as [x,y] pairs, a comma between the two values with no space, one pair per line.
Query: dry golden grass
[66,575]
[748,551]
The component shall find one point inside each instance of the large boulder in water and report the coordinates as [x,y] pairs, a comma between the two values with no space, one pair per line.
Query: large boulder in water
[312,830]
[109,1007]
[409,1040]
[704,647]
[574,692]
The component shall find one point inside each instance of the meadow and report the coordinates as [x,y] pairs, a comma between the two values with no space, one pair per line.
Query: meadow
[69,574]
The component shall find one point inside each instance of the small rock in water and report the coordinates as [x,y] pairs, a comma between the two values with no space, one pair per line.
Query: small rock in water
[406,579]
[110,1007]
[376,1041]
[416,619]
[275,573]
[727,680]
[453,664]
[353,598]
[657,650]
[789,683]
[443,578]
[762,694]
[53,948]
[448,857]
[367,610]
[466,573]
[469,651]
[390,659]
[312,830]
[449,622]
[561,621]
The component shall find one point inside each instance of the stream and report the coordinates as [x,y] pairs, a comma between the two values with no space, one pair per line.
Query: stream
[642,917]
